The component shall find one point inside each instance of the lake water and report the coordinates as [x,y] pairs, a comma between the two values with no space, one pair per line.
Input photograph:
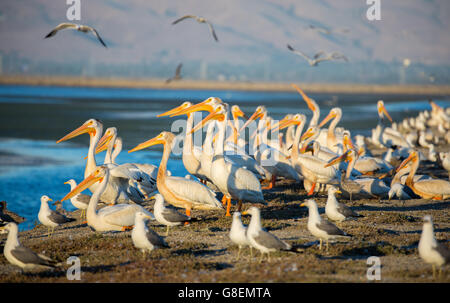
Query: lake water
[33,118]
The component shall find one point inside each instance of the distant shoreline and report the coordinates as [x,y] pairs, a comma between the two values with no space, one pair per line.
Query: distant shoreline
[336,88]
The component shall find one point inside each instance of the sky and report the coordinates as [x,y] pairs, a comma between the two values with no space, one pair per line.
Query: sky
[252,34]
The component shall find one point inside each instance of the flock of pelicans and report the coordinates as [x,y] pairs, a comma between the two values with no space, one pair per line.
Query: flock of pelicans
[324,160]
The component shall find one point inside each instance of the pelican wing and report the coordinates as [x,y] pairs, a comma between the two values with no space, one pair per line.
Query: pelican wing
[317,165]
[184,17]
[61,26]
[433,186]
[120,214]
[192,191]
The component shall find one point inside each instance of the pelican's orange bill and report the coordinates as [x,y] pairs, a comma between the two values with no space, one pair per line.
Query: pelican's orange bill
[305,97]
[174,111]
[338,159]
[202,106]
[103,143]
[330,116]
[382,109]
[214,115]
[412,155]
[286,123]
[85,128]
[91,179]
[256,115]
[237,112]
[308,134]
[154,141]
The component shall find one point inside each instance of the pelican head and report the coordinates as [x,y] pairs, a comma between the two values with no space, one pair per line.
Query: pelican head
[334,112]
[97,175]
[109,135]
[347,156]
[312,105]
[218,113]
[296,119]
[413,156]
[91,127]
[176,110]
[259,113]
[237,112]
[163,138]
[382,110]
[206,105]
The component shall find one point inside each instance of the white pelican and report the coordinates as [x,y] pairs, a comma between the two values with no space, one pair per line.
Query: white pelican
[336,211]
[80,201]
[49,217]
[260,239]
[445,160]
[311,168]
[166,215]
[144,238]
[119,217]
[333,140]
[179,191]
[430,250]
[238,234]
[22,256]
[319,227]
[233,181]
[78,27]
[119,188]
[370,186]
[199,20]
[435,189]
[7,216]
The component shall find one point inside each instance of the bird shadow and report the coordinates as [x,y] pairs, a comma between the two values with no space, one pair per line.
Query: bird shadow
[434,206]
[102,268]
[200,252]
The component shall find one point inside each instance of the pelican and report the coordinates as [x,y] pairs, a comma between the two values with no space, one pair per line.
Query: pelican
[119,188]
[144,238]
[435,189]
[445,159]
[233,181]
[333,140]
[49,217]
[319,56]
[311,168]
[119,217]
[22,256]
[179,191]
[81,28]
[199,20]
[177,75]
[80,201]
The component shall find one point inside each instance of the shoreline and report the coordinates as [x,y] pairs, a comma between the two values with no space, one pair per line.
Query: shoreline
[148,83]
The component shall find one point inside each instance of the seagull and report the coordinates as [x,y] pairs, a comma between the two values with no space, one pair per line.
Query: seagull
[321,228]
[22,256]
[262,240]
[431,251]
[7,216]
[397,189]
[51,218]
[238,234]
[177,74]
[78,27]
[326,31]
[144,238]
[80,201]
[319,56]
[336,211]
[168,216]
[199,20]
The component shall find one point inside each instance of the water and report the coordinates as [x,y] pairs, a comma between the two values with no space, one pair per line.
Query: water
[33,118]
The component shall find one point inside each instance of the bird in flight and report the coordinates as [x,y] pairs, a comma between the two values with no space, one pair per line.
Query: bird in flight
[177,74]
[199,20]
[78,27]
[319,56]
[326,31]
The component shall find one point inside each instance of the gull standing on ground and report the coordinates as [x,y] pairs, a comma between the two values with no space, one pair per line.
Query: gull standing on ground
[431,251]
[199,20]
[22,256]
[7,216]
[81,28]
[260,239]
[336,211]
[238,234]
[144,238]
[168,216]
[319,56]
[321,228]
[49,217]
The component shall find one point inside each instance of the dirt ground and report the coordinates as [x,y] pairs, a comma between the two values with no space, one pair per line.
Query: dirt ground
[202,251]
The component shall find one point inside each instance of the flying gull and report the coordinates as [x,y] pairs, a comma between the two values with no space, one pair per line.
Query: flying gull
[20,255]
[319,56]
[177,74]
[326,31]
[336,211]
[49,217]
[431,251]
[168,216]
[144,238]
[262,240]
[238,234]
[199,20]
[7,216]
[321,228]
[78,27]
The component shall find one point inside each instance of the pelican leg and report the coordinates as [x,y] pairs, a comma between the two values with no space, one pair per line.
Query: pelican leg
[224,200]
[320,244]
[228,207]
[271,184]
[262,256]
[239,205]
[311,191]
[125,228]
[188,213]
[167,231]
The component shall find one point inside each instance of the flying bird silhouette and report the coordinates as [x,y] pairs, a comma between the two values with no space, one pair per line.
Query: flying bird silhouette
[199,20]
[177,74]
[81,28]
[319,56]
[327,31]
